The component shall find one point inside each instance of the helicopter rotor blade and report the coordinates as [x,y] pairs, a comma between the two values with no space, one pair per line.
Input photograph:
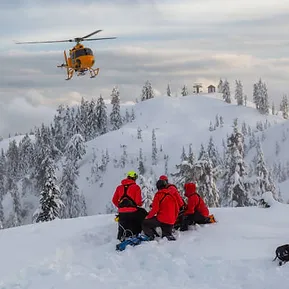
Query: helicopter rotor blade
[52,41]
[104,38]
[88,35]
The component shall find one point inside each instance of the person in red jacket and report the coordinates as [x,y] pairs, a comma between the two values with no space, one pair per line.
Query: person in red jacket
[127,198]
[181,202]
[197,211]
[174,191]
[163,213]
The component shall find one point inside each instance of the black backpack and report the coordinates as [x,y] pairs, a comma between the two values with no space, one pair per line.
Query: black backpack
[126,201]
[282,253]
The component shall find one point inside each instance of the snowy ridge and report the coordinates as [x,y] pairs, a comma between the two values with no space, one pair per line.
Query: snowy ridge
[234,253]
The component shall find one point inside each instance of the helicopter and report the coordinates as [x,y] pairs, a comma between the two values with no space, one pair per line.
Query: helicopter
[81,58]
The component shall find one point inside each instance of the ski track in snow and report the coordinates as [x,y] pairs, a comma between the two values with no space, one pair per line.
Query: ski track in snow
[235,253]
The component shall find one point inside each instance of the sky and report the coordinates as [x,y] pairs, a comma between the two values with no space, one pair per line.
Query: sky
[166,42]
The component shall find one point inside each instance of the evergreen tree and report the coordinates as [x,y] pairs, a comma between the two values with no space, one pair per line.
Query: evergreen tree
[183,155]
[132,115]
[127,116]
[226,92]
[166,158]
[213,153]
[260,97]
[263,182]
[101,116]
[154,148]
[217,121]
[73,204]
[239,93]
[235,188]
[273,109]
[141,167]
[50,202]
[147,91]
[91,130]
[139,131]
[184,91]
[206,177]
[284,107]
[17,210]
[147,188]
[220,86]
[169,93]
[115,116]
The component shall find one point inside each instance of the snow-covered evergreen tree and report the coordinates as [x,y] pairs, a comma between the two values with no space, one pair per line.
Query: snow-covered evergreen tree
[154,148]
[115,116]
[147,185]
[220,86]
[50,202]
[169,93]
[239,93]
[184,91]
[17,208]
[226,92]
[139,131]
[235,186]
[147,91]
[260,97]
[273,109]
[141,167]
[74,151]
[206,177]
[91,130]
[101,116]
[213,153]
[284,107]
[264,181]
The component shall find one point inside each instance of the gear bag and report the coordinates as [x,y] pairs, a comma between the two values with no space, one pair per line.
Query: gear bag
[282,254]
[126,201]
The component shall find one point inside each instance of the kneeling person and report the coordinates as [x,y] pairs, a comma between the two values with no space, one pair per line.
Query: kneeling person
[163,214]
[197,211]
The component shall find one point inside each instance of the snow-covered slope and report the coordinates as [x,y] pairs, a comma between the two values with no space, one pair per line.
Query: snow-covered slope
[234,253]
[177,122]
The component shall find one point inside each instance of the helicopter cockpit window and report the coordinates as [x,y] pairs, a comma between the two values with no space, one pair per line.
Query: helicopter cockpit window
[83,52]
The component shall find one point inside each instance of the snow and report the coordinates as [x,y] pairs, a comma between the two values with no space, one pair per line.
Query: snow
[178,122]
[235,253]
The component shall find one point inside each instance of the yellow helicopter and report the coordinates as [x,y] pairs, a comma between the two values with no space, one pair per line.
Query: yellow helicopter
[81,59]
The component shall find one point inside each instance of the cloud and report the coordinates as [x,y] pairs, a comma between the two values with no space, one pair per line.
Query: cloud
[20,116]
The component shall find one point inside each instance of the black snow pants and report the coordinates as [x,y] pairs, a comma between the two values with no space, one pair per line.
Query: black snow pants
[192,219]
[149,226]
[130,224]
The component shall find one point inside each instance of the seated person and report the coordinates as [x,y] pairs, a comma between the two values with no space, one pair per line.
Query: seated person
[163,214]
[197,211]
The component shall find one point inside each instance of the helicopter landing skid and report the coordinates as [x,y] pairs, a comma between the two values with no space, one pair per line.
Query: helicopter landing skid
[93,72]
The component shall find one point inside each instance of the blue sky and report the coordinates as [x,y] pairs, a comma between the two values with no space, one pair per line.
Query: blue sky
[176,42]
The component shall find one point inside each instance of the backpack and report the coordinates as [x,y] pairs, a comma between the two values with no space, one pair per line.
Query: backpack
[282,253]
[126,201]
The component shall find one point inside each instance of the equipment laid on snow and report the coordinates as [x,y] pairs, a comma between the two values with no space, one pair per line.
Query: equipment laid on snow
[282,253]
[132,241]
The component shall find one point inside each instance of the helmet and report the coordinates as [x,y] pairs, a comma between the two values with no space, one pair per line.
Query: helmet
[132,175]
[161,184]
[163,177]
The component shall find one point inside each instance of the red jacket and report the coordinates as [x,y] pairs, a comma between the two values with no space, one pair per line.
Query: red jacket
[176,194]
[195,202]
[133,191]
[164,207]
